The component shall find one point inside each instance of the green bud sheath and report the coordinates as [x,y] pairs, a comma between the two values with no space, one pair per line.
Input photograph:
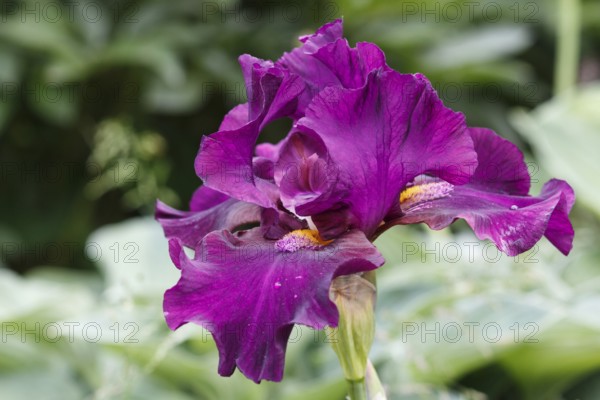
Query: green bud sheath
[351,340]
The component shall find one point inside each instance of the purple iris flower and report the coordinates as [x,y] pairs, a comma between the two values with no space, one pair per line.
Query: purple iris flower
[370,148]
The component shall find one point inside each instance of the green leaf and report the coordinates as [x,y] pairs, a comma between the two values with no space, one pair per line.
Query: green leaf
[480,46]
[564,133]
[134,258]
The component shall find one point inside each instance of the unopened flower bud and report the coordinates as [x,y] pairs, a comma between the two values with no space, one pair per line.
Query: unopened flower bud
[355,299]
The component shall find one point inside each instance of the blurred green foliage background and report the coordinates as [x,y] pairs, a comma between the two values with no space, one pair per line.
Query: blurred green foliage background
[102,107]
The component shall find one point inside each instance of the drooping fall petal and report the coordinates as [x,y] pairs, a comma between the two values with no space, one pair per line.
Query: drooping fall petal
[495,202]
[249,292]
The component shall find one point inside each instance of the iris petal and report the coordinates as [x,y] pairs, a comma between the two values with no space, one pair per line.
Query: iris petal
[501,165]
[275,90]
[326,59]
[225,159]
[210,211]
[382,136]
[305,174]
[495,202]
[249,294]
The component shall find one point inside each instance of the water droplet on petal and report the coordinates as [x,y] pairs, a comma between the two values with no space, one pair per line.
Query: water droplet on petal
[514,207]
[277,284]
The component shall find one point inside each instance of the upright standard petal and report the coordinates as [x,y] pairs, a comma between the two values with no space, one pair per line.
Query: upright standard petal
[304,172]
[301,61]
[495,202]
[349,67]
[328,33]
[501,165]
[249,292]
[225,160]
[276,90]
[237,117]
[382,136]
[326,59]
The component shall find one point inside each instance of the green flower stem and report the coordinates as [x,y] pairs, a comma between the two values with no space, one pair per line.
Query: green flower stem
[567,59]
[375,390]
[357,390]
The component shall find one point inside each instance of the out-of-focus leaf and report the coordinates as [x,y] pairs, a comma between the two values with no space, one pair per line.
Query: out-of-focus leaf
[565,136]
[587,388]
[145,53]
[39,300]
[52,382]
[331,389]
[451,306]
[53,101]
[132,267]
[484,45]
[43,36]
[175,98]
[10,81]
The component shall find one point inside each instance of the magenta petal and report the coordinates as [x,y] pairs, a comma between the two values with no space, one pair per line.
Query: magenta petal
[514,223]
[235,118]
[276,223]
[501,167]
[382,136]
[305,173]
[301,61]
[327,33]
[560,230]
[272,91]
[276,90]
[326,59]
[495,202]
[191,226]
[225,160]
[249,294]
[335,221]
[348,67]
[225,164]
[269,151]
[205,198]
